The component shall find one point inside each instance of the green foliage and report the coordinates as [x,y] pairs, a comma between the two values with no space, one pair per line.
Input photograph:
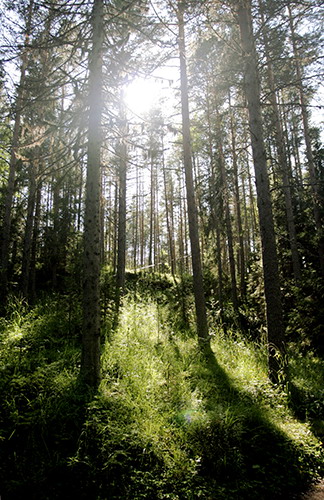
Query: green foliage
[40,404]
[306,313]
[167,421]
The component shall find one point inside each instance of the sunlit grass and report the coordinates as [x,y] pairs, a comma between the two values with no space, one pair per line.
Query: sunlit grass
[167,422]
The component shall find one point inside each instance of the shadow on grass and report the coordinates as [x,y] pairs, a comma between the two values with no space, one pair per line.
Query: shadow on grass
[38,440]
[242,451]
[43,408]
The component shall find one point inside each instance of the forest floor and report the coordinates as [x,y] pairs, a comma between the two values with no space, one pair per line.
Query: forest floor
[167,421]
[316,492]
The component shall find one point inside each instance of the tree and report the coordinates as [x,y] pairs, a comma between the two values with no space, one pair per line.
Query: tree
[10,188]
[121,250]
[90,361]
[317,201]
[281,153]
[269,251]
[201,315]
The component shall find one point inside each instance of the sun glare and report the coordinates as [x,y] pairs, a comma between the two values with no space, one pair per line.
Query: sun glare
[142,94]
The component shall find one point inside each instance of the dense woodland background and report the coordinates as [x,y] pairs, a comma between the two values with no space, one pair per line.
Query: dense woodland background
[161,262]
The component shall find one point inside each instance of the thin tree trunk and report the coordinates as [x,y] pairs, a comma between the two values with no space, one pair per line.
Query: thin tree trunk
[317,201]
[114,231]
[136,221]
[247,229]
[157,249]
[10,188]
[152,212]
[142,225]
[181,232]
[168,209]
[228,222]
[241,263]
[201,315]
[34,243]
[252,210]
[121,252]
[27,247]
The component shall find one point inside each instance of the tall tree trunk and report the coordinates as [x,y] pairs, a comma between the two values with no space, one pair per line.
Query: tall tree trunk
[27,247]
[142,225]
[269,250]
[181,232]
[33,258]
[10,188]
[114,235]
[201,315]
[55,243]
[252,211]
[168,214]
[228,222]
[151,254]
[317,201]
[157,243]
[90,361]
[282,158]
[121,251]
[241,263]
[136,217]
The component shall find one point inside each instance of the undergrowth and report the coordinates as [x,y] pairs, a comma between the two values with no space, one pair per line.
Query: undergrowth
[167,421]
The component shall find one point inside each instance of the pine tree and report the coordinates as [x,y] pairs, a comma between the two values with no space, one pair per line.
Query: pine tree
[90,361]
[269,252]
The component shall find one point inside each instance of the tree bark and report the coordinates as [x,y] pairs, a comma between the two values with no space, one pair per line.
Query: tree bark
[27,248]
[282,159]
[201,315]
[10,188]
[169,213]
[121,251]
[317,202]
[228,222]
[90,361]
[269,250]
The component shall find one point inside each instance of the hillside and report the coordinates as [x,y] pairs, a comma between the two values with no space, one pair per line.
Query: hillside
[167,421]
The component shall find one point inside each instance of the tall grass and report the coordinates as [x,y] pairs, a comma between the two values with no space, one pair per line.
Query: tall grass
[167,422]
[204,428]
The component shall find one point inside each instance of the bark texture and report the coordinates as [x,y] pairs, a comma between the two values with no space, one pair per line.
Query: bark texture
[269,251]
[282,158]
[121,252]
[317,201]
[10,188]
[90,362]
[200,303]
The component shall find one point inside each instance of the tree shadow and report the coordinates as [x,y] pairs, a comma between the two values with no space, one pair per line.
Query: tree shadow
[242,451]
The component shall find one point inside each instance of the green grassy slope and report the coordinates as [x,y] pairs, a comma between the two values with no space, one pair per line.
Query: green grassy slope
[167,422]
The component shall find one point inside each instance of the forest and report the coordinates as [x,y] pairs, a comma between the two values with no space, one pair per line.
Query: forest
[162,249]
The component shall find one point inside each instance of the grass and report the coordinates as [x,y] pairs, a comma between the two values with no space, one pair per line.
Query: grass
[167,422]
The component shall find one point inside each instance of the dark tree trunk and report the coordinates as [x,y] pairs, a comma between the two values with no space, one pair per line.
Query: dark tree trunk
[269,250]
[28,237]
[10,188]
[228,222]
[317,201]
[90,361]
[201,316]
[241,260]
[121,251]
[282,159]
[32,279]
